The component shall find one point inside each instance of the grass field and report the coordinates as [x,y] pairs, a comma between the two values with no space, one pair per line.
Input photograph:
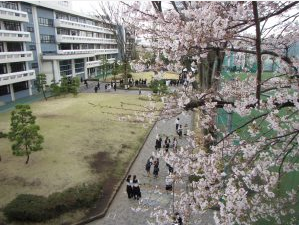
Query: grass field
[148,76]
[76,134]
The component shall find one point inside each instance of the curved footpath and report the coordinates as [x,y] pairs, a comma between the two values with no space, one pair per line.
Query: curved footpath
[120,211]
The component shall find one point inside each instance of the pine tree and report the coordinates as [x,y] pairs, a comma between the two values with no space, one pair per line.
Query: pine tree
[24,132]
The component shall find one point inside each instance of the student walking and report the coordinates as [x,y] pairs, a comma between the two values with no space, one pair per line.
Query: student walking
[167,143]
[180,131]
[170,168]
[158,143]
[148,165]
[156,170]
[136,188]
[129,187]
[174,144]
[177,123]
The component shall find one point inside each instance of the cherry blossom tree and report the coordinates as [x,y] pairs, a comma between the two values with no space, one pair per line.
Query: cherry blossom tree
[239,171]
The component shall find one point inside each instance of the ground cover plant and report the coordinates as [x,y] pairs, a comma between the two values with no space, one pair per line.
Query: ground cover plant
[83,143]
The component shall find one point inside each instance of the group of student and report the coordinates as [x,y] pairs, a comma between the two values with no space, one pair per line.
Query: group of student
[151,161]
[133,189]
[179,128]
[140,82]
[167,143]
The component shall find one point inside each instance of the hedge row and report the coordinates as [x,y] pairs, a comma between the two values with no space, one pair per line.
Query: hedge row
[26,207]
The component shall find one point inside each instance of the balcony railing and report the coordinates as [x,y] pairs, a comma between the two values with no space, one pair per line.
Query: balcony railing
[83,39]
[16,15]
[10,78]
[9,35]
[81,26]
[87,51]
[98,63]
[8,57]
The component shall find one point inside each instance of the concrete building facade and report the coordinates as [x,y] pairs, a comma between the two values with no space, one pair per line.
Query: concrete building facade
[48,37]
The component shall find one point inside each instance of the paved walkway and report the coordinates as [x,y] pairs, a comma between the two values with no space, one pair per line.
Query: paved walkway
[92,84]
[120,211]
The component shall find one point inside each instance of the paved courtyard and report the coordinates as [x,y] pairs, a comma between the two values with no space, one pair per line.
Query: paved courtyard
[120,211]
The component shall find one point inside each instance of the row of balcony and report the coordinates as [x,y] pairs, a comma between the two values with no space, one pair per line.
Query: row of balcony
[87,51]
[10,78]
[91,64]
[80,26]
[16,15]
[9,35]
[83,39]
[8,57]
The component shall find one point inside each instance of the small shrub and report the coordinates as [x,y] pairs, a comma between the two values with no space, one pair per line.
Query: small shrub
[38,208]
[28,208]
[3,135]
[75,197]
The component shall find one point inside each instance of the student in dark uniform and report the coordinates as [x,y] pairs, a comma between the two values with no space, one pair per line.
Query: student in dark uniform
[129,187]
[136,188]
[156,170]
[148,165]
[167,143]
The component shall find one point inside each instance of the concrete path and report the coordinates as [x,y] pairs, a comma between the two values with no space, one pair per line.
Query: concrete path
[120,211]
[92,84]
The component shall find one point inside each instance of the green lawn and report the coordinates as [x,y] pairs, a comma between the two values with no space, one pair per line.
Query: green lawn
[148,76]
[74,131]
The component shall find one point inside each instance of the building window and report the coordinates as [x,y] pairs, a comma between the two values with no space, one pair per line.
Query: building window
[9,5]
[63,31]
[30,29]
[74,33]
[76,46]
[4,90]
[61,16]
[28,10]
[45,22]
[9,25]
[21,86]
[81,20]
[65,67]
[79,65]
[18,67]
[47,38]
[14,46]
[34,65]
[73,18]
[65,46]
[3,69]
[32,47]
[88,34]
[1,47]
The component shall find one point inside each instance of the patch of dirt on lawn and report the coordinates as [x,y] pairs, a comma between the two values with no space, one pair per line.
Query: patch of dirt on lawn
[20,181]
[102,162]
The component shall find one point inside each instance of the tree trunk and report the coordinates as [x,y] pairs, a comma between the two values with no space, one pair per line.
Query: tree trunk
[258,52]
[44,94]
[126,72]
[27,153]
